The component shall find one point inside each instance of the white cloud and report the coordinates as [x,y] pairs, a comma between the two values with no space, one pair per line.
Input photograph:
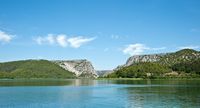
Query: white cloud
[4,37]
[189,47]
[63,41]
[134,49]
[76,42]
[138,48]
[49,39]
[39,40]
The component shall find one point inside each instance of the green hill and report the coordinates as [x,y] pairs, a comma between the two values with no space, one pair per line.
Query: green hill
[141,70]
[183,63]
[33,69]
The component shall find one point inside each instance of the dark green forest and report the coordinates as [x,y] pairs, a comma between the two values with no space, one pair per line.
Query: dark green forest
[188,67]
[141,70]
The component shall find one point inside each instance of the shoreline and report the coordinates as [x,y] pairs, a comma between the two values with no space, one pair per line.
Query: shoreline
[54,79]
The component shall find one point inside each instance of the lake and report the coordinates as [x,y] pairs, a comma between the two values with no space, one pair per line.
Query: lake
[83,93]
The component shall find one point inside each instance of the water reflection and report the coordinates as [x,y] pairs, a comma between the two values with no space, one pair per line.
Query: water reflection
[35,82]
[84,82]
[168,96]
[48,82]
[84,93]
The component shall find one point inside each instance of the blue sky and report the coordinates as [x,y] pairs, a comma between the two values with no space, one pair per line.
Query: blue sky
[106,32]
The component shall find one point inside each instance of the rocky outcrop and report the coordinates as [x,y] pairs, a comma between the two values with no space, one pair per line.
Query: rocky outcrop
[169,59]
[144,58]
[182,56]
[141,58]
[82,68]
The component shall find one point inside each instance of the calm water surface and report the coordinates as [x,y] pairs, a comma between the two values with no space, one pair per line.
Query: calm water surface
[99,93]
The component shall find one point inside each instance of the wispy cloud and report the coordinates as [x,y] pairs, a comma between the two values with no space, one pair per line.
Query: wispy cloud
[138,48]
[134,49]
[5,37]
[117,37]
[63,41]
[49,39]
[76,42]
[189,47]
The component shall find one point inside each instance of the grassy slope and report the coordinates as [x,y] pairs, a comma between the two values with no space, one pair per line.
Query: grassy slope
[33,69]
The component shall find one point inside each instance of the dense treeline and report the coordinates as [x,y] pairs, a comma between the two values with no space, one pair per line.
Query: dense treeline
[188,67]
[141,70]
[33,69]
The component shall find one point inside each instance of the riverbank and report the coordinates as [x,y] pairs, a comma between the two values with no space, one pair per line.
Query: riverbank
[148,79]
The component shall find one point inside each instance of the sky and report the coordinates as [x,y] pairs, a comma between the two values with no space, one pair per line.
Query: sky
[105,32]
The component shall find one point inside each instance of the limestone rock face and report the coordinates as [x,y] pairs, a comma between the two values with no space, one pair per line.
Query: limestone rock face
[82,68]
[140,58]
[185,55]
[144,58]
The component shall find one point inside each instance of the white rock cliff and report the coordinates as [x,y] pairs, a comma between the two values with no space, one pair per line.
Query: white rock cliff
[82,68]
[144,58]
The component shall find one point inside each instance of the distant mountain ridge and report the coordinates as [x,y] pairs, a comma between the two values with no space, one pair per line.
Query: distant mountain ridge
[184,62]
[102,73]
[164,58]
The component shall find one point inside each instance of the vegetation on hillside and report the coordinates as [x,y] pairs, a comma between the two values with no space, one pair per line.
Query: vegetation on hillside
[183,63]
[188,67]
[185,55]
[141,70]
[33,69]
